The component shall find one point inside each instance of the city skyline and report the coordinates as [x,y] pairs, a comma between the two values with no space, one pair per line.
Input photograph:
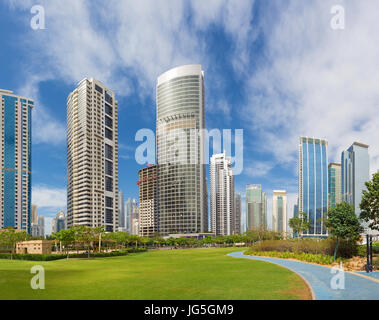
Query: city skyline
[238,93]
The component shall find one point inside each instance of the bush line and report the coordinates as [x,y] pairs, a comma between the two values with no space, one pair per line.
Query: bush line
[52,257]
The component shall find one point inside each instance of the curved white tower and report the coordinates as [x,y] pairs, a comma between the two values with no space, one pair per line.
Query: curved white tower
[182,192]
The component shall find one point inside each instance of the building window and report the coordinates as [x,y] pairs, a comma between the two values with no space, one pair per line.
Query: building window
[108,122]
[108,184]
[108,134]
[99,89]
[108,168]
[109,202]
[108,152]
[108,110]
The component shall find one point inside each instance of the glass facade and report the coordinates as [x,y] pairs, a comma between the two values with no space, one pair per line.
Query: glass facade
[256,206]
[313,183]
[334,171]
[355,172]
[15,180]
[181,184]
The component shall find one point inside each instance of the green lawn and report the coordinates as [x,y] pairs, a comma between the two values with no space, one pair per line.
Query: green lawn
[157,275]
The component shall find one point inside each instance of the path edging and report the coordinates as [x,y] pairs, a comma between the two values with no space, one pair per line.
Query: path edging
[305,280]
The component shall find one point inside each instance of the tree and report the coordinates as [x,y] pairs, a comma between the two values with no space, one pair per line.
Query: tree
[9,237]
[343,223]
[370,203]
[65,237]
[300,223]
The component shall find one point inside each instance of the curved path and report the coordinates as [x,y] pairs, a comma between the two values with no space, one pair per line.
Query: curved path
[319,278]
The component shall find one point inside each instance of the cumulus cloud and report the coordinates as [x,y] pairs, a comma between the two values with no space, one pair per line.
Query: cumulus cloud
[316,81]
[49,197]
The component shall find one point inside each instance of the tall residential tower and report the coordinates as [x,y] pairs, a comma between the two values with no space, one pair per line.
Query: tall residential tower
[92,156]
[222,196]
[16,151]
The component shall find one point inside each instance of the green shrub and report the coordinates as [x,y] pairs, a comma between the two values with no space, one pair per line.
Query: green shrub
[346,249]
[51,257]
[307,257]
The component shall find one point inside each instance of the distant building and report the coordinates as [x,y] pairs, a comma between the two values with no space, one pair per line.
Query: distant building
[121,210]
[256,208]
[59,222]
[134,218]
[222,195]
[335,195]
[148,209]
[128,215]
[279,211]
[34,219]
[41,226]
[15,156]
[313,184]
[35,230]
[355,173]
[238,214]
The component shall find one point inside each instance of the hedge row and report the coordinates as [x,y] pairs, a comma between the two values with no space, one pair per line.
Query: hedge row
[307,257]
[346,249]
[51,257]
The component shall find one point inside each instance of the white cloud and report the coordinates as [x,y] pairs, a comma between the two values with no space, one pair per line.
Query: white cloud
[258,169]
[49,197]
[317,81]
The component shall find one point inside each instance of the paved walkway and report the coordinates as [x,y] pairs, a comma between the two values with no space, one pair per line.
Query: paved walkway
[319,278]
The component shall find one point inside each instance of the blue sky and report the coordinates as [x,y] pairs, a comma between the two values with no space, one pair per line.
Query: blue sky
[275,69]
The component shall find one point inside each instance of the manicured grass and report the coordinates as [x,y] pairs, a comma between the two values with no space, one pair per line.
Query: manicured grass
[157,275]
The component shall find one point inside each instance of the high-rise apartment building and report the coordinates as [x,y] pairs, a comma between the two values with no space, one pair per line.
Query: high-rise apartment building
[15,156]
[355,172]
[148,209]
[238,214]
[256,208]
[279,211]
[313,183]
[92,156]
[222,195]
[335,195]
[182,196]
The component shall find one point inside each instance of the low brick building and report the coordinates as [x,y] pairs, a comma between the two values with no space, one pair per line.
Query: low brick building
[34,247]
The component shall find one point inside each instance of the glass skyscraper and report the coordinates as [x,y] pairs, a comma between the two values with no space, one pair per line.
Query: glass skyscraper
[313,183]
[335,197]
[256,208]
[16,150]
[355,172]
[182,190]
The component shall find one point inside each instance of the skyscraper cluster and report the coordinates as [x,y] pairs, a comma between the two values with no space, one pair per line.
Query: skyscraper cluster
[173,194]
[322,186]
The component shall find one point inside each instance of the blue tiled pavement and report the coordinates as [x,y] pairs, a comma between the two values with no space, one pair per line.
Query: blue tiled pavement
[319,278]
